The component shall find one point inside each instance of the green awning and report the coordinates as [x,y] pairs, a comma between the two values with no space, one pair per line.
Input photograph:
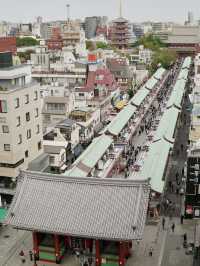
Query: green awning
[183,74]
[159,152]
[90,156]
[159,73]
[167,125]
[187,62]
[140,96]
[151,83]
[3,213]
[121,120]
[177,94]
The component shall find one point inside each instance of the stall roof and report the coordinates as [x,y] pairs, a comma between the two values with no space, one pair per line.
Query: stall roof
[140,96]
[183,74]
[159,73]
[187,62]
[159,152]
[113,209]
[167,125]
[177,94]
[90,156]
[120,121]
[151,83]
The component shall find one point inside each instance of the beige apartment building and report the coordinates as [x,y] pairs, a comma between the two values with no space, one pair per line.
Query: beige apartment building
[20,129]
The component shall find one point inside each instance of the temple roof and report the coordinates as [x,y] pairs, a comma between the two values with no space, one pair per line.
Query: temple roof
[112,209]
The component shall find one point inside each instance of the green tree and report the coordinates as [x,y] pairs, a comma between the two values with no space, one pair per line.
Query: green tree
[25,56]
[102,45]
[164,57]
[151,42]
[90,46]
[26,41]
[130,93]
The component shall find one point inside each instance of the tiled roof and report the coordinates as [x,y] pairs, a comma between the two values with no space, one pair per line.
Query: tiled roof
[85,207]
[106,79]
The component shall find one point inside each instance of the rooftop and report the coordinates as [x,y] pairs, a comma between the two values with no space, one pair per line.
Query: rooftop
[84,207]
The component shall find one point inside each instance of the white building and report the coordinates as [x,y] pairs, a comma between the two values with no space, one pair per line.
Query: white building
[20,124]
[89,120]
[40,60]
[57,108]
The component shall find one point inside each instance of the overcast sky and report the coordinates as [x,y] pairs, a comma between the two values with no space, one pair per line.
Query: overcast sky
[135,10]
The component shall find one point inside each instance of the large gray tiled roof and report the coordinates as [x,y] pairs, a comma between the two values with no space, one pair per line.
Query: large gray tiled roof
[85,207]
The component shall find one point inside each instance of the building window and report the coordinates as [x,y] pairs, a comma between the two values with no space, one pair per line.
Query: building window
[36,112]
[39,145]
[81,94]
[18,121]
[6,147]
[5,129]
[3,106]
[26,98]
[26,154]
[28,134]
[20,139]
[38,129]
[16,102]
[35,95]
[51,159]
[28,116]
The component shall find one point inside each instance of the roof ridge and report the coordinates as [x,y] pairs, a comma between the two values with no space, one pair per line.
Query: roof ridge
[83,180]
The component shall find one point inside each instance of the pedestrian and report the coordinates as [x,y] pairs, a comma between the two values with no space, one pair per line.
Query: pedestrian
[173,227]
[182,147]
[31,255]
[172,188]
[151,251]
[182,171]
[22,256]
[163,223]
[182,217]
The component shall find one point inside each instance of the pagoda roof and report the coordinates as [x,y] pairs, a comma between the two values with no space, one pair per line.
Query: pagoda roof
[113,209]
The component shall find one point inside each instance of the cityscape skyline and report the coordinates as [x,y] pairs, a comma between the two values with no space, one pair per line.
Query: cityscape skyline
[154,10]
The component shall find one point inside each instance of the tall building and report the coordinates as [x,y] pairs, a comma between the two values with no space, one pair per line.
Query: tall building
[120,31]
[92,24]
[190,18]
[120,35]
[20,125]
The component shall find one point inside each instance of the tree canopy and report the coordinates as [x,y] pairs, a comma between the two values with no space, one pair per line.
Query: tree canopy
[26,41]
[151,42]
[164,57]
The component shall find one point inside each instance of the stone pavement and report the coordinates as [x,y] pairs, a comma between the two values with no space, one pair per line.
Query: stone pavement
[167,246]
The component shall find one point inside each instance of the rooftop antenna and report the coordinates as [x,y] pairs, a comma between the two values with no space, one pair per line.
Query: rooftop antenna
[120,8]
[68,12]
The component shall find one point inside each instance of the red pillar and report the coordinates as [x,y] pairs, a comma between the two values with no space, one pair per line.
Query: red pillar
[57,247]
[98,256]
[121,254]
[35,244]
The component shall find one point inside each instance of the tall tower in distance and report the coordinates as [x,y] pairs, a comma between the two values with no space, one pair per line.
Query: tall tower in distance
[68,12]
[190,18]
[120,35]
[120,8]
